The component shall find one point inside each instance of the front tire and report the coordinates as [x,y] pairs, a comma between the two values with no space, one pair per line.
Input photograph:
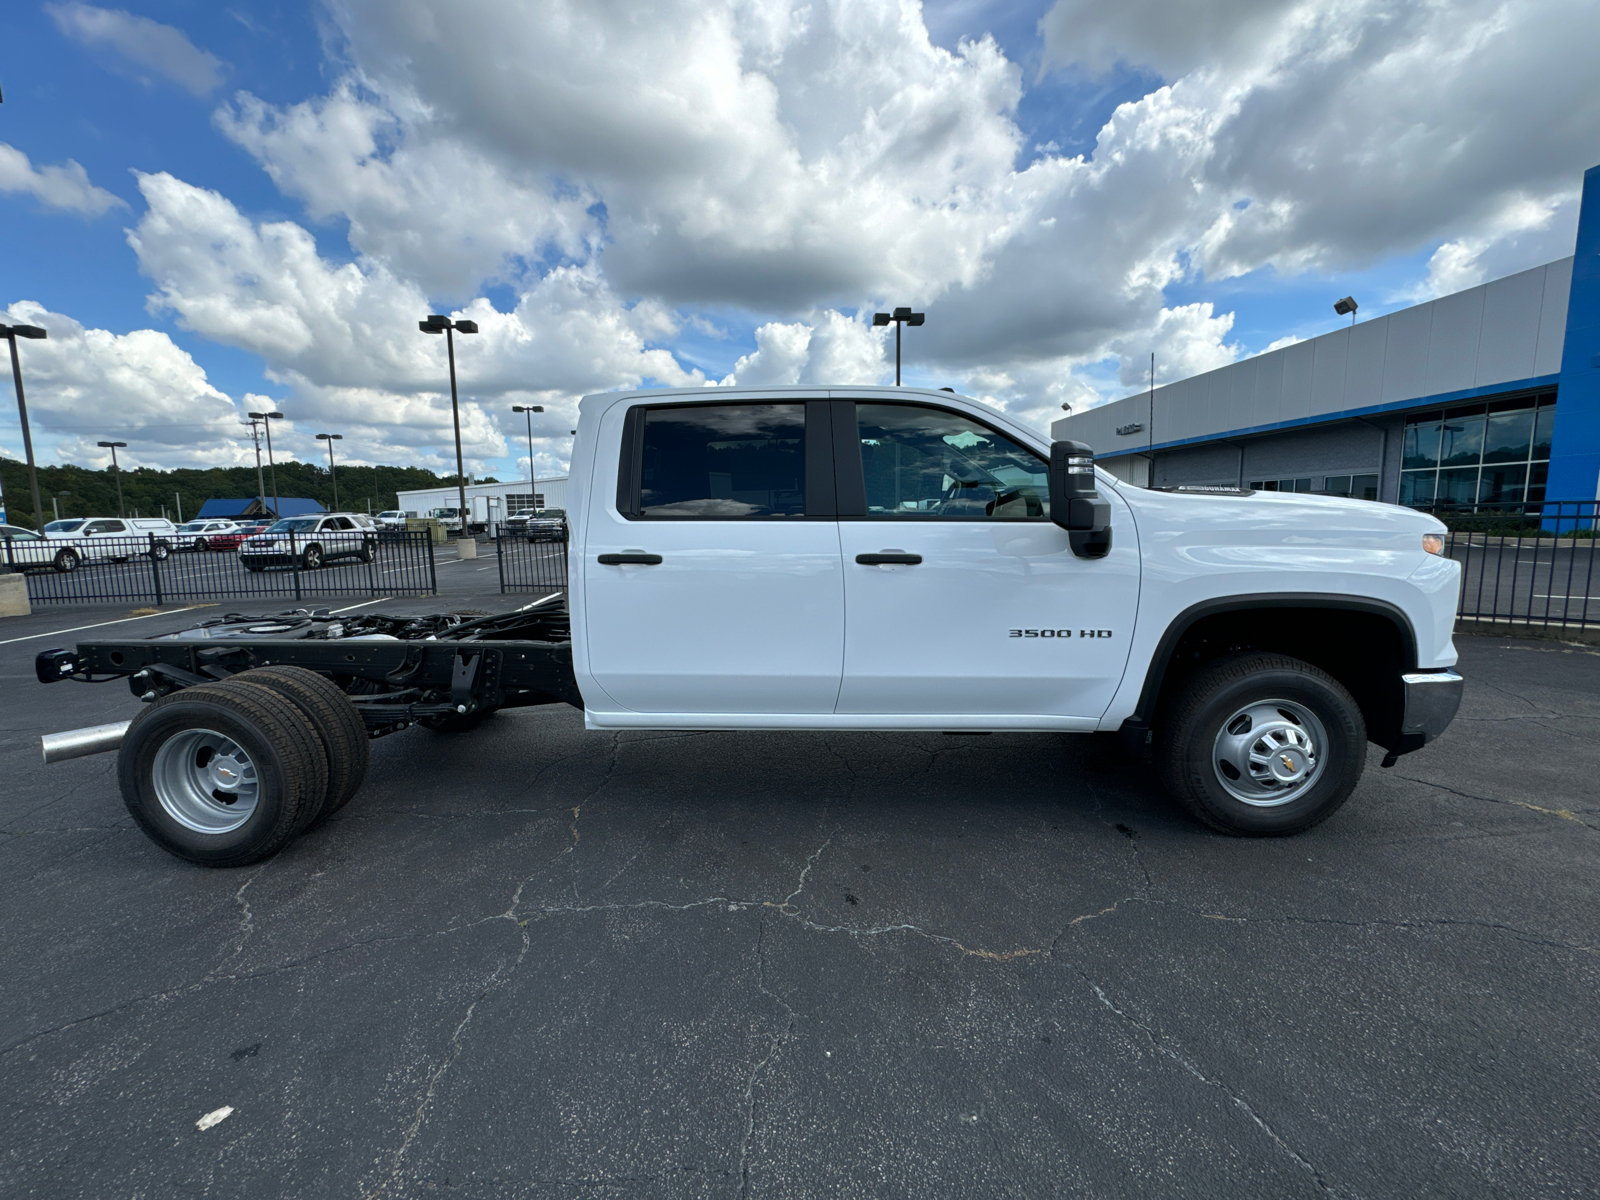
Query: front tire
[221,774]
[312,558]
[1262,745]
[67,561]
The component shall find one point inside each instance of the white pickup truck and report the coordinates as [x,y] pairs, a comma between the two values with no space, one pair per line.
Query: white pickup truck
[841,559]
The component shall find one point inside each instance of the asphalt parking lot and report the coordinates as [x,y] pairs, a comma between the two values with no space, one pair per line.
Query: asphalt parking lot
[532,961]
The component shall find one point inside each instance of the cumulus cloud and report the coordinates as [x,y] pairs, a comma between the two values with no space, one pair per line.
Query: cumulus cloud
[828,348]
[66,186]
[143,44]
[344,337]
[88,385]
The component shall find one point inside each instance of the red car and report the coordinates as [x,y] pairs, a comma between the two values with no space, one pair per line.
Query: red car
[232,539]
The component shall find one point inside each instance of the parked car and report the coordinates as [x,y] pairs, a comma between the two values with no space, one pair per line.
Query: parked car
[310,541]
[394,518]
[517,522]
[23,549]
[234,538]
[547,525]
[199,535]
[116,539]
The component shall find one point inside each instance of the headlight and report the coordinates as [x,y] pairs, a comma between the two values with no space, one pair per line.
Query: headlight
[1433,543]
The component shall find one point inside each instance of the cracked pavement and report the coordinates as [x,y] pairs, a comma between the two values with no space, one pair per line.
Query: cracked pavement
[531,961]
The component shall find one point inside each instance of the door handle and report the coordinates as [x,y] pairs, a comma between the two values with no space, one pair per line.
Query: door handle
[617,560]
[889,557]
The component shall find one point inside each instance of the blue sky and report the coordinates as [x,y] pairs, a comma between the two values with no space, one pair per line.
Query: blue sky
[724,193]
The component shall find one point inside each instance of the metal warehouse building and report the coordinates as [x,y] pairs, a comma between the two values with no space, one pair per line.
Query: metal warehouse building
[493,502]
[1487,396]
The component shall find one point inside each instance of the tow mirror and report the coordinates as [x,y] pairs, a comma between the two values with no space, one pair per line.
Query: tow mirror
[1075,505]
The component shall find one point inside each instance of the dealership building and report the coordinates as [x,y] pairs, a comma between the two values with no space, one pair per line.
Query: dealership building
[1490,395]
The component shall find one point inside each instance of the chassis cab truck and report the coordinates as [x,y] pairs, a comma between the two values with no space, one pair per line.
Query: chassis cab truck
[840,559]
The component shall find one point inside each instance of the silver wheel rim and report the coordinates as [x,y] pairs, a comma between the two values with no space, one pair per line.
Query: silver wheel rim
[1269,753]
[205,781]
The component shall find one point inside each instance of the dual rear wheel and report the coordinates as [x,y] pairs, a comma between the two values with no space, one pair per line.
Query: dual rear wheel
[228,773]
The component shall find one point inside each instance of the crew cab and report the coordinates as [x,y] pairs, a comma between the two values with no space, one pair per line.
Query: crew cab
[310,541]
[546,525]
[114,539]
[841,559]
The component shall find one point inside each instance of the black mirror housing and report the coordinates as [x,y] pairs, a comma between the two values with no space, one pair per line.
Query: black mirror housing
[1075,504]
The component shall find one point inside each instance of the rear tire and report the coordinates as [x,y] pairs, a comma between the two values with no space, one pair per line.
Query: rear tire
[338,724]
[312,558]
[221,774]
[1262,745]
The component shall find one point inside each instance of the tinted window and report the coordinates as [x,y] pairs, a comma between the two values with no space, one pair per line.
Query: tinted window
[724,460]
[106,527]
[925,462]
[64,526]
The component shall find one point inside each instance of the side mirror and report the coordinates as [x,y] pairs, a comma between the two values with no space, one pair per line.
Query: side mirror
[1075,505]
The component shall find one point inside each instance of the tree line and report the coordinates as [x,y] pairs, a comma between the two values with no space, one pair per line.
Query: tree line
[82,492]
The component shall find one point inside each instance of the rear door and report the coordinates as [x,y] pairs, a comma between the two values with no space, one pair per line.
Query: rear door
[995,616]
[712,581]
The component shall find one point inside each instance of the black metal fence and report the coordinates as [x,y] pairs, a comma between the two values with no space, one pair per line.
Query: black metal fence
[531,566]
[150,568]
[1528,566]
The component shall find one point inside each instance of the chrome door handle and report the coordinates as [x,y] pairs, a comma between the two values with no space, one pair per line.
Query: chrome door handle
[889,557]
[617,560]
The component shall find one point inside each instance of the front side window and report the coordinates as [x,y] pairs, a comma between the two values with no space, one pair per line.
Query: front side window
[928,463]
[723,461]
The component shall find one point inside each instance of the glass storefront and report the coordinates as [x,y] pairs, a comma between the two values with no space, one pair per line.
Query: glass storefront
[1360,487]
[1493,452]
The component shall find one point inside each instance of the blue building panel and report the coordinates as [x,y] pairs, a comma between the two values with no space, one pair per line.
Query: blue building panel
[1575,448]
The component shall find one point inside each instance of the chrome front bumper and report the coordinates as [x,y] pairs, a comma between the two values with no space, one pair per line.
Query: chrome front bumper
[1432,698]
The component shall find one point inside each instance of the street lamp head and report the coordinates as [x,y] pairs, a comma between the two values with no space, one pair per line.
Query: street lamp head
[466,327]
[902,314]
[881,318]
[1346,306]
[23,331]
[916,318]
[268,416]
[435,323]
[330,437]
[527,408]
[108,445]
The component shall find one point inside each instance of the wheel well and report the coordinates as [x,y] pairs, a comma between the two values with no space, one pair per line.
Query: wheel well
[1366,649]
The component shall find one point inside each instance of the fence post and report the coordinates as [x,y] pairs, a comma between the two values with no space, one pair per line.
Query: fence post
[433,574]
[155,567]
[500,558]
[372,567]
[294,559]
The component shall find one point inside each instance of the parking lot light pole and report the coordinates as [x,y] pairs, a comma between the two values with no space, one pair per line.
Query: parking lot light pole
[441,324]
[11,333]
[900,316]
[266,419]
[530,409]
[255,438]
[331,438]
[116,472]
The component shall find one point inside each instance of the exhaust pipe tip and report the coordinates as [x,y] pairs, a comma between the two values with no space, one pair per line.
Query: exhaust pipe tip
[80,743]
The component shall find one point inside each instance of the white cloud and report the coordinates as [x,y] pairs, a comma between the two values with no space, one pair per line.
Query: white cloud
[90,385]
[66,186]
[141,43]
[828,348]
[344,338]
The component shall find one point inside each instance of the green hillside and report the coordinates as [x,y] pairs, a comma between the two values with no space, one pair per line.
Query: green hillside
[94,493]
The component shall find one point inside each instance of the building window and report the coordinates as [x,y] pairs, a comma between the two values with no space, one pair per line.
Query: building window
[1496,452]
[1361,487]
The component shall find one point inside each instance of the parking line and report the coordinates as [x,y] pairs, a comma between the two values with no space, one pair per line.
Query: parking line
[98,624]
[363,604]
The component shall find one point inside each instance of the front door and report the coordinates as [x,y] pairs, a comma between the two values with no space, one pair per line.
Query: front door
[998,617]
[712,579]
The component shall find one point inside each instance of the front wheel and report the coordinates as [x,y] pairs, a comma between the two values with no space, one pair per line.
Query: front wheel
[160,551]
[67,561]
[1262,745]
[312,558]
[200,544]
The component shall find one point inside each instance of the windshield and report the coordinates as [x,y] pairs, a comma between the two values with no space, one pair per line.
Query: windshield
[553,512]
[64,526]
[193,527]
[293,525]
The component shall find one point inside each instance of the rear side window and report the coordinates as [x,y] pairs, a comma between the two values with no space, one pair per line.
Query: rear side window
[723,461]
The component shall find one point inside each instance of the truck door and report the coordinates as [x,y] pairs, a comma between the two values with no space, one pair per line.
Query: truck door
[712,578]
[995,616]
